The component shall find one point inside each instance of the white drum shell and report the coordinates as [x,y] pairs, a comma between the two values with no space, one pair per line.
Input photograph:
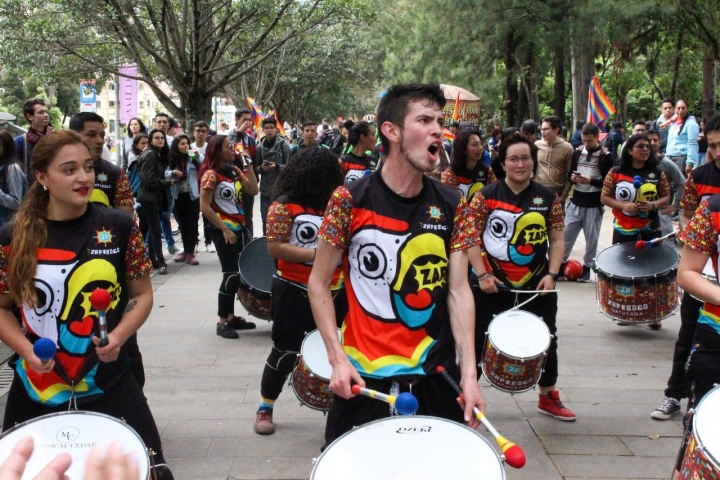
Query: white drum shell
[519,334]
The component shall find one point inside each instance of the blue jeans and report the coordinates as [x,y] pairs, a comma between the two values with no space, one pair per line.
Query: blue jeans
[167,229]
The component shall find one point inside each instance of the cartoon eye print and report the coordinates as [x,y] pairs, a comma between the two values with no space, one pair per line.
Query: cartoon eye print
[306,233]
[371,261]
[625,192]
[226,192]
[225,197]
[45,297]
[498,227]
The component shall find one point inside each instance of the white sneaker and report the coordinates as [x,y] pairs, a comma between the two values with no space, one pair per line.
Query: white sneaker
[210,248]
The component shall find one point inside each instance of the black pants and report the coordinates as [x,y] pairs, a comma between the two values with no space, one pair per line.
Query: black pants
[677,385]
[488,305]
[135,360]
[150,226]
[187,213]
[435,398]
[248,204]
[206,231]
[229,256]
[292,321]
[620,238]
[124,400]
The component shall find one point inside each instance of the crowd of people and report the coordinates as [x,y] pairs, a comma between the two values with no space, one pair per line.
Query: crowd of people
[406,242]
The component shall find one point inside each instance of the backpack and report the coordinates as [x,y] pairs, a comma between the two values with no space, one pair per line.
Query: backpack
[133,175]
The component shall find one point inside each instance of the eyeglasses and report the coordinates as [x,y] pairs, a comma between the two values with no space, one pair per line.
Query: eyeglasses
[516,160]
[642,147]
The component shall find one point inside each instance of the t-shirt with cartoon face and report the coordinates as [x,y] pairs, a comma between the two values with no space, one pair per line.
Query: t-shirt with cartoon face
[469,182]
[227,200]
[101,249]
[514,230]
[395,265]
[355,167]
[111,188]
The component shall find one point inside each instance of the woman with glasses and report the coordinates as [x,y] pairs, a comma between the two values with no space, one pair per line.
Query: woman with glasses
[521,225]
[635,190]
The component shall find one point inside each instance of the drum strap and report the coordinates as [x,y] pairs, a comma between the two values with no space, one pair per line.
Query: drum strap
[72,401]
[499,273]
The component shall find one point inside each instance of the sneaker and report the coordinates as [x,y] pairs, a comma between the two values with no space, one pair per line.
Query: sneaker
[210,248]
[239,323]
[176,232]
[226,331]
[263,423]
[550,404]
[190,259]
[585,277]
[163,270]
[172,249]
[655,326]
[666,410]
[181,258]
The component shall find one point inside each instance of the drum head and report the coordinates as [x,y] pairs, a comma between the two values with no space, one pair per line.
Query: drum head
[74,433]
[706,423]
[314,354]
[256,265]
[625,260]
[414,447]
[519,334]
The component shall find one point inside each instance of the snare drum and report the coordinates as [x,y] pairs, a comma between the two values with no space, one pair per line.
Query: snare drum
[74,433]
[702,455]
[413,447]
[637,285]
[257,268]
[515,351]
[311,377]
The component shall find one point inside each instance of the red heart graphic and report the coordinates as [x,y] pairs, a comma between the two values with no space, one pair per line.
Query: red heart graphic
[526,249]
[418,300]
[82,328]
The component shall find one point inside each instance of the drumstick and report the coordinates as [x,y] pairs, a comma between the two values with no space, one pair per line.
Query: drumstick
[100,300]
[44,349]
[405,403]
[514,455]
[640,244]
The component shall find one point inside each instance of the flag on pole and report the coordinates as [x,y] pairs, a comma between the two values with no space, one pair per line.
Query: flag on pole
[448,135]
[257,115]
[456,110]
[281,130]
[599,106]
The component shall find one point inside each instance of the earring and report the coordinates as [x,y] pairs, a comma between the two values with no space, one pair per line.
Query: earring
[45,187]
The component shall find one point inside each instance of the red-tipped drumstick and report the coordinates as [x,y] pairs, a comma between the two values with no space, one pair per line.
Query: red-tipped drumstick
[641,244]
[100,300]
[514,455]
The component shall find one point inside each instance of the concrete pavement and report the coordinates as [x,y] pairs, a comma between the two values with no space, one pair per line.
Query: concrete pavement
[204,391]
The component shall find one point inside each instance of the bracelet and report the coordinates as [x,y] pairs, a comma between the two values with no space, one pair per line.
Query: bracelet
[483,276]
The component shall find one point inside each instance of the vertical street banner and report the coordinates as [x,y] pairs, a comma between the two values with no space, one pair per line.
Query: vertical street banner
[127,94]
[87,96]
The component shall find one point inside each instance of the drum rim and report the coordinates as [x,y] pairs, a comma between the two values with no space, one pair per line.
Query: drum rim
[544,352]
[390,419]
[88,413]
[300,357]
[251,287]
[711,458]
[603,273]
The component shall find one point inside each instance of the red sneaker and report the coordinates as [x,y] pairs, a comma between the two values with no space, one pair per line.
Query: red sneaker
[550,404]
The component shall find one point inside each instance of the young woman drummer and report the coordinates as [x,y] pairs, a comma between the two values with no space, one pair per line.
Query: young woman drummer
[468,173]
[56,252]
[303,190]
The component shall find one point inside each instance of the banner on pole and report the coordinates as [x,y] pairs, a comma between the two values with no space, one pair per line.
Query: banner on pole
[127,94]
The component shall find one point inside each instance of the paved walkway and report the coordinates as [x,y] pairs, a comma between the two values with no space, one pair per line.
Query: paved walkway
[204,390]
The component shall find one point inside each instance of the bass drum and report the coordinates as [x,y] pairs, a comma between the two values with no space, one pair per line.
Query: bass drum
[257,268]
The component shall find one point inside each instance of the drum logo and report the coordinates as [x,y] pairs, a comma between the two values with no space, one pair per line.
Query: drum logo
[625,290]
[514,369]
[404,430]
[68,434]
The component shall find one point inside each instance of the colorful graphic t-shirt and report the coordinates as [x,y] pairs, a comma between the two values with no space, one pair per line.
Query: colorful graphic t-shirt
[227,200]
[467,181]
[112,188]
[101,249]
[631,185]
[514,231]
[289,222]
[355,167]
[395,262]
[701,184]
[702,234]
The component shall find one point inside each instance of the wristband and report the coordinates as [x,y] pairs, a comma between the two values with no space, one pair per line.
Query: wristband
[483,276]
[554,276]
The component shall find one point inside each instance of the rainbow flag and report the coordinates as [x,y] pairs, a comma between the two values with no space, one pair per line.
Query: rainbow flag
[448,135]
[281,130]
[599,106]
[257,115]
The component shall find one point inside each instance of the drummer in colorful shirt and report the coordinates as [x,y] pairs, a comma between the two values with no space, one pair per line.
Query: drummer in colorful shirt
[635,190]
[701,239]
[303,190]
[56,252]
[467,171]
[402,239]
[520,223]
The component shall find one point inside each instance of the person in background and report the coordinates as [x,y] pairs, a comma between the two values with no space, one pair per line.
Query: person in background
[200,132]
[186,193]
[662,124]
[676,179]
[702,144]
[36,112]
[13,183]
[134,127]
[271,157]
[358,163]
[617,139]
[576,139]
[554,158]
[682,144]
[139,144]
[245,145]
[468,173]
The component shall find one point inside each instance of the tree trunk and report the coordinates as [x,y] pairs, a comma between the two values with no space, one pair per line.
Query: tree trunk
[197,106]
[676,69]
[582,58]
[709,97]
[559,87]
[510,97]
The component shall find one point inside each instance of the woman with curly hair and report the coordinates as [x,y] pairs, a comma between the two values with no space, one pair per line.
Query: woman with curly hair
[302,192]
[468,173]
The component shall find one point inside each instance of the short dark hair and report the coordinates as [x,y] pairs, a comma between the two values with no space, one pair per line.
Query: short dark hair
[8,155]
[78,121]
[201,124]
[529,127]
[308,123]
[590,129]
[638,122]
[580,124]
[242,111]
[652,131]
[455,124]
[712,125]
[667,100]
[553,121]
[514,139]
[360,128]
[394,104]
[617,125]
[267,120]
[28,106]
[173,123]
[162,114]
